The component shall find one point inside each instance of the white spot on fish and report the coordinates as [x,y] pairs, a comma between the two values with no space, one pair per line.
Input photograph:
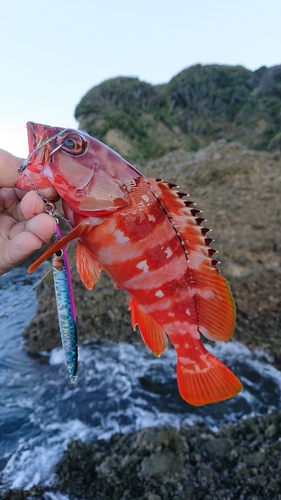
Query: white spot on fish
[171,314]
[157,277]
[159,294]
[206,294]
[187,312]
[186,361]
[143,266]
[168,252]
[48,172]
[151,218]
[145,197]
[120,236]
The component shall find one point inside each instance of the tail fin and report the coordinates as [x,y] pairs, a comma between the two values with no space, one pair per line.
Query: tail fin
[202,378]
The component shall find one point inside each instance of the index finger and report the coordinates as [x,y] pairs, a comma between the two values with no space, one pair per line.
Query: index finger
[9,165]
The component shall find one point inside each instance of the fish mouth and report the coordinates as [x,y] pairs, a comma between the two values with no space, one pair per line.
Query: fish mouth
[36,134]
[31,137]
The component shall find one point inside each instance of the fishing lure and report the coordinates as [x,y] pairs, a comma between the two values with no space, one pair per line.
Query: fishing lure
[65,308]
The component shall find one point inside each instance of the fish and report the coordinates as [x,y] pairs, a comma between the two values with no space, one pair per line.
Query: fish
[148,237]
[65,308]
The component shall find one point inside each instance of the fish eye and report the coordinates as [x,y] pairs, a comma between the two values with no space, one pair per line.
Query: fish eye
[74,144]
[70,144]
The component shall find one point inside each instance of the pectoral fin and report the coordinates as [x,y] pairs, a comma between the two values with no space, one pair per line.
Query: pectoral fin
[82,229]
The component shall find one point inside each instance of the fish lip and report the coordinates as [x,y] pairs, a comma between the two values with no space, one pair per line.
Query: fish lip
[30,136]
[35,133]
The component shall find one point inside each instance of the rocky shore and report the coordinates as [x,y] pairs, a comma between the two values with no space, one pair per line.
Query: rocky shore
[240,461]
[239,192]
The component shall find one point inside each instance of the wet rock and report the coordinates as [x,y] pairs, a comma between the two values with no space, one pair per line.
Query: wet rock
[218,448]
[255,459]
[161,463]
[186,463]
[238,461]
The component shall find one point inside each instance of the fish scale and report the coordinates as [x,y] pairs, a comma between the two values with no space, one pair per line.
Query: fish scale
[147,236]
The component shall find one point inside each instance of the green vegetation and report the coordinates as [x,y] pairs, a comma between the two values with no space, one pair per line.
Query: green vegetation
[200,104]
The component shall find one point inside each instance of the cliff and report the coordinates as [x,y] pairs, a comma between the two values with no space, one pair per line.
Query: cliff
[200,104]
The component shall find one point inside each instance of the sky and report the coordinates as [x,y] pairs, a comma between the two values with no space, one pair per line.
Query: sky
[52,52]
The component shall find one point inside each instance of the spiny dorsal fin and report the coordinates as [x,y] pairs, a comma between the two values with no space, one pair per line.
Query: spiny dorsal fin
[215,305]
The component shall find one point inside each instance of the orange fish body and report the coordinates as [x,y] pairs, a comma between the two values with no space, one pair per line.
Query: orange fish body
[149,240]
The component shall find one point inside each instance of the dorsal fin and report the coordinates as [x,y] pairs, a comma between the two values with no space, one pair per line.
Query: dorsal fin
[215,305]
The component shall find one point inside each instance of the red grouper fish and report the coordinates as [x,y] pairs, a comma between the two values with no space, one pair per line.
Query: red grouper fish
[146,236]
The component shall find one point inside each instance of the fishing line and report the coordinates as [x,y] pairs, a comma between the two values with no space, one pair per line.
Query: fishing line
[26,293]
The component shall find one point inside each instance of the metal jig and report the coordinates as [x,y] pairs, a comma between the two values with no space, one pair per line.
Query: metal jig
[65,307]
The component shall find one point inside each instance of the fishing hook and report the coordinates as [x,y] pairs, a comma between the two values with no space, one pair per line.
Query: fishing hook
[39,146]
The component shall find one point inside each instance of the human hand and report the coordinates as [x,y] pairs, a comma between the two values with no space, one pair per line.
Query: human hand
[24,226]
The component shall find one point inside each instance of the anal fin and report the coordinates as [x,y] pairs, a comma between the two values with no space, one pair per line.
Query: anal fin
[152,334]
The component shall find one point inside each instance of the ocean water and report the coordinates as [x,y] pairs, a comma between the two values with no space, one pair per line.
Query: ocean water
[121,388]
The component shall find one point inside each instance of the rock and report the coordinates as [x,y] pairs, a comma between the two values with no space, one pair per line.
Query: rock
[237,461]
[161,463]
[218,448]
[166,463]
[255,459]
